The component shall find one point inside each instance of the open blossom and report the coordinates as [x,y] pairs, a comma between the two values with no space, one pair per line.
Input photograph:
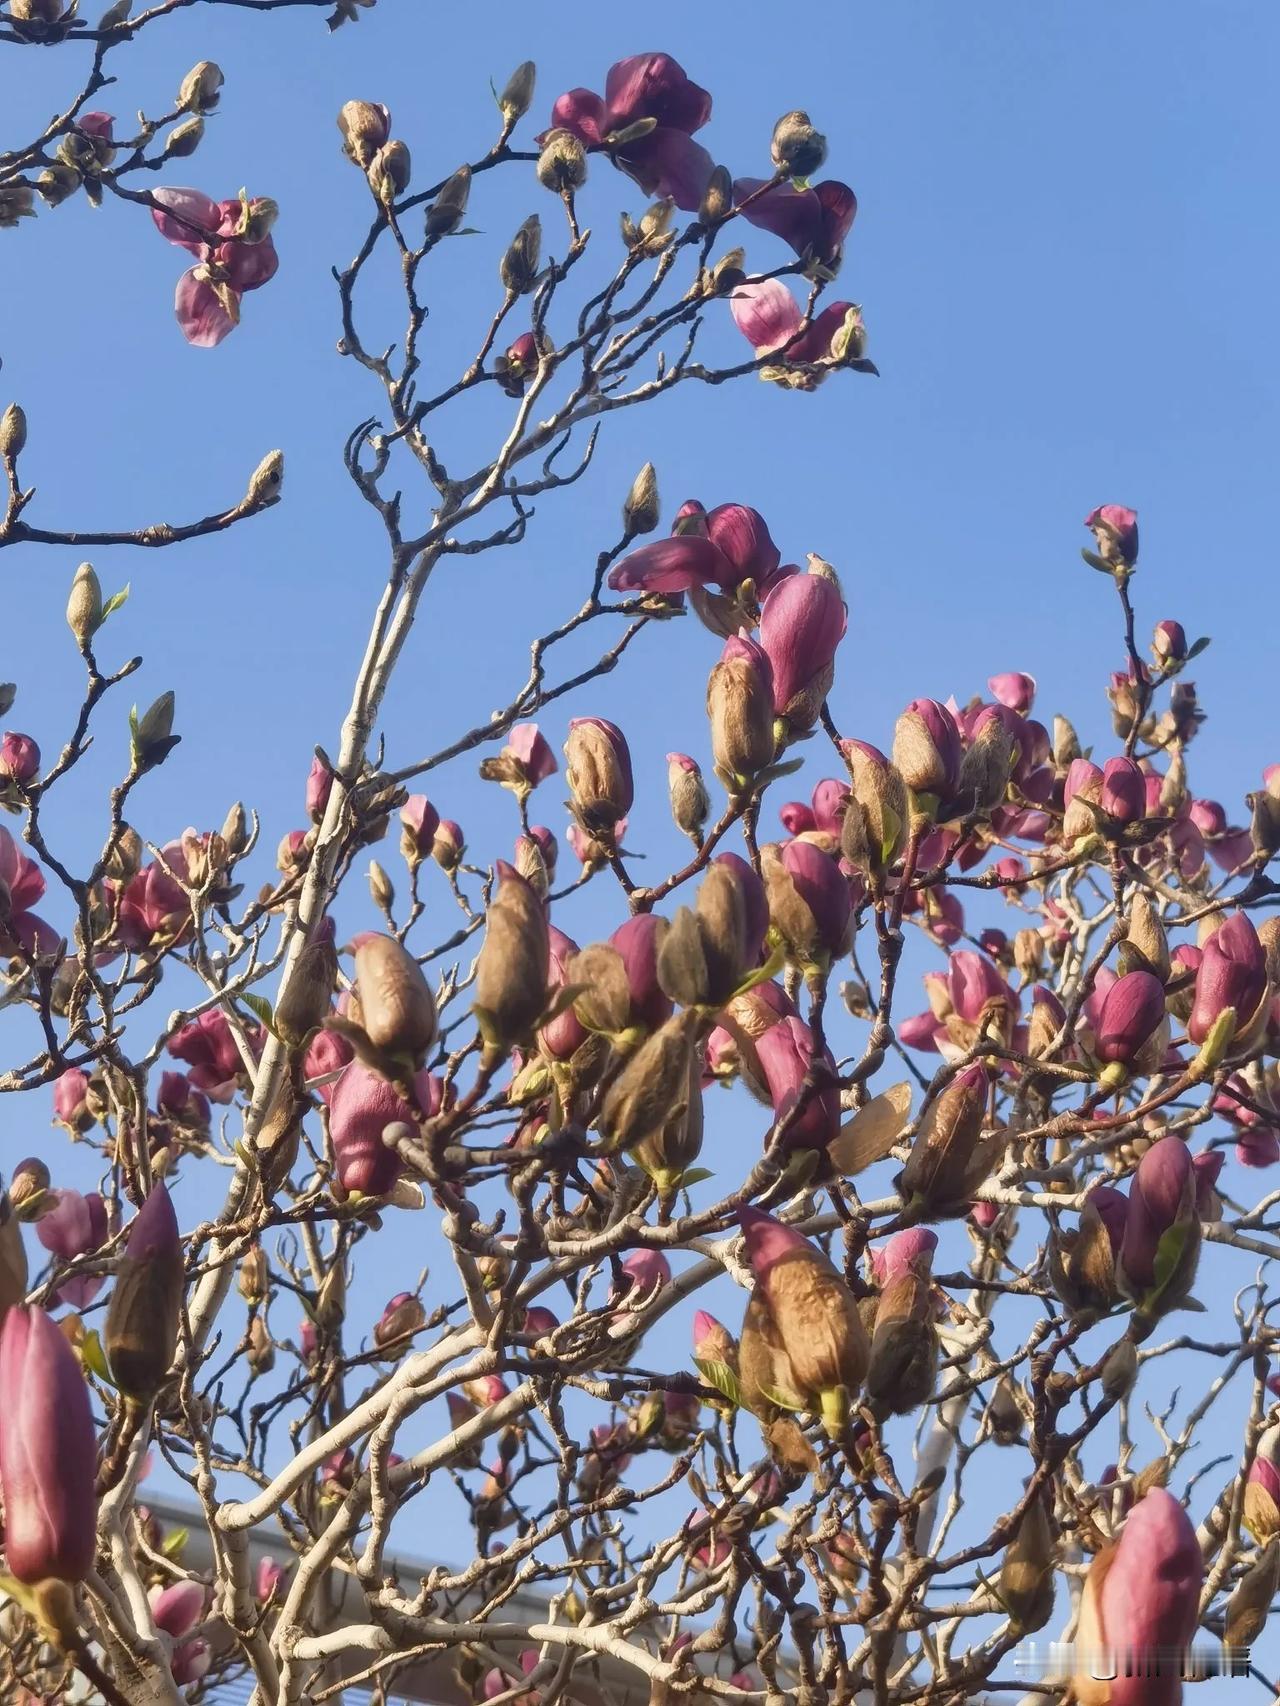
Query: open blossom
[815,222]
[1232,974]
[153,906]
[21,886]
[236,254]
[208,1046]
[770,318]
[75,1226]
[731,545]
[664,159]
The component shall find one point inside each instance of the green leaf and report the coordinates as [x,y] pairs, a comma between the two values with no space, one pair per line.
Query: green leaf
[722,1377]
[1099,563]
[694,1176]
[114,603]
[783,1400]
[260,1007]
[94,1357]
[1196,647]
[174,1542]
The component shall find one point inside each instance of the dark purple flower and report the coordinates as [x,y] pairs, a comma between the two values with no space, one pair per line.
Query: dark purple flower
[664,160]
[814,222]
[1128,1017]
[732,545]
[1124,792]
[1232,973]
[786,1051]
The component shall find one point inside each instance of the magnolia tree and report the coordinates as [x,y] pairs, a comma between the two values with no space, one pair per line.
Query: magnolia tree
[943,1269]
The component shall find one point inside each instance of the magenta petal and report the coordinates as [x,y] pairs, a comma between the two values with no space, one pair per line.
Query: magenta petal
[204,321]
[653,85]
[766,313]
[669,565]
[839,206]
[582,112]
[249,265]
[192,207]
[21,876]
[669,163]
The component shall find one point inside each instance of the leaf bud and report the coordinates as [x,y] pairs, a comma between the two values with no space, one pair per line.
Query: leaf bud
[200,88]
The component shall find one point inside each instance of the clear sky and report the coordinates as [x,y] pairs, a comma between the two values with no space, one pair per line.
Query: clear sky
[1067,258]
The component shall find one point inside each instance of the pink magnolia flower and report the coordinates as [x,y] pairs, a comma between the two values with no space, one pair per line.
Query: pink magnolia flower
[267,1579]
[178,1608]
[731,544]
[21,886]
[319,787]
[19,757]
[71,1101]
[786,1052]
[770,318]
[527,746]
[646,1271]
[75,1226]
[1013,689]
[814,222]
[48,1452]
[664,160]
[191,1661]
[153,907]
[363,1105]
[208,1048]
[637,941]
[233,258]
[802,622]
[419,821]
[566,1033]
[1116,530]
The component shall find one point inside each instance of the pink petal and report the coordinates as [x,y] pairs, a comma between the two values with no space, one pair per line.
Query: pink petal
[204,321]
[766,313]
[582,112]
[669,565]
[669,163]
[193,207]
[249,265]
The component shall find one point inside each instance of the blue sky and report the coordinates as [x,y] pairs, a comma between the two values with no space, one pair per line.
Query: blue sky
[1066,256]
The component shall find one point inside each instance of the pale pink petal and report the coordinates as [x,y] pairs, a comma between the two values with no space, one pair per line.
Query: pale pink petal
[766,313]
[192,207]
[204,321]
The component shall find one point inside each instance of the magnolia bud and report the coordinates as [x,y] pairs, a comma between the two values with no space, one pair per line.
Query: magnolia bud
[252,1279]
[690,802]
[562,165]
[141,1332]
[874,825]
[519,266]
[153,737]
[84,607]
[57,182]
[266,481]
[598,771]
[717,198]
[515,99]
[403,1316]
[261,1350]
[446,211]
[184,139]
[198,91]
[233,831]
[13,1254]
[397,1010]
[740,709]
[654,1089]
[1120,1369]
[389,172]
[1026,1577]
[13,432]
[951,1156]
[512,970]
[1247,1609]
[365,127]
[797,148]
[640,511]
[29,1189]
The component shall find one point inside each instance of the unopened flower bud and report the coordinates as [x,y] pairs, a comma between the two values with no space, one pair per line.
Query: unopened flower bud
[199,90]
[717,198]
[261,1351]
[448,844]
[446,211]
[57,182]
[562,165]
[254,1275]
[29,1188]
[874,825]
[184,139]
[266,481]
[740,707]
[1027,1575]
[403,1316]
[690,802]
[512,970]
[598,771]
[141,1332]
[397,1010]
[13,432]
[797,148]
[641,509]
[1169,642]
[84,607]
[153,737]
[516,97]
[389,172]
[365,127]
[519,266]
